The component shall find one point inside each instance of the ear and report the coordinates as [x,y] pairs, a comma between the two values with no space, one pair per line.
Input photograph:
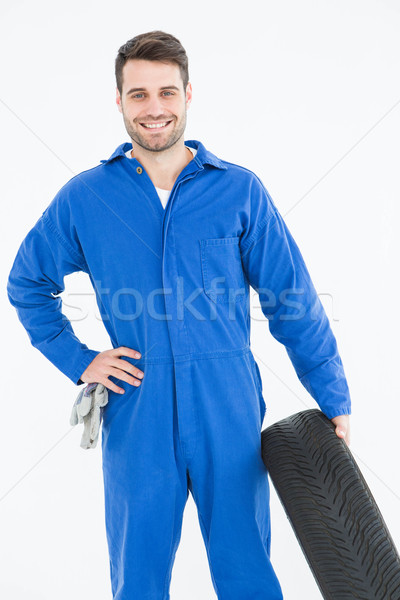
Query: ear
[118,100]
[189,93]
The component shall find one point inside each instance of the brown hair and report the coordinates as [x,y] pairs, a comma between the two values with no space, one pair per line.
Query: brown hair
[154,45]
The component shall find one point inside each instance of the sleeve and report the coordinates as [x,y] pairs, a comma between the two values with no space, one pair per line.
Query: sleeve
[275,268]
[35,280]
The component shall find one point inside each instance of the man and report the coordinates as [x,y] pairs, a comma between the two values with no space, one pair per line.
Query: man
[172,237]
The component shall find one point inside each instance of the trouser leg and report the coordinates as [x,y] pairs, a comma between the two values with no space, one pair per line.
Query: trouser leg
[145,486]
[229,481]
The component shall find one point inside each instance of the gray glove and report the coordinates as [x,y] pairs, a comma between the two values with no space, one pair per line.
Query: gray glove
[88,409]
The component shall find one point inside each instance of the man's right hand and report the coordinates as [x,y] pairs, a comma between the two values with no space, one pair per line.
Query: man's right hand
[108,363]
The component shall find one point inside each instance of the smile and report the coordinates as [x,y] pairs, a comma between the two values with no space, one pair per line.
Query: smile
[156,125]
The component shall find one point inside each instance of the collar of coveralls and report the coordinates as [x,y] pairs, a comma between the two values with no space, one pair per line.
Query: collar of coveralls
[202,157]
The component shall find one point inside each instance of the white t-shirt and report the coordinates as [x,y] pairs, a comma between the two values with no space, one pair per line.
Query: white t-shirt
[164,194]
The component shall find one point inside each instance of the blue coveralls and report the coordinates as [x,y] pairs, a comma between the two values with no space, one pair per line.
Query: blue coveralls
[174,284]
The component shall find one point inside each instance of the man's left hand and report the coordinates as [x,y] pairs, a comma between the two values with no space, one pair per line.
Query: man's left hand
[342,424]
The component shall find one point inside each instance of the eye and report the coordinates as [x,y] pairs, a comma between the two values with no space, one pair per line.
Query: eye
[170,93]
[136,95]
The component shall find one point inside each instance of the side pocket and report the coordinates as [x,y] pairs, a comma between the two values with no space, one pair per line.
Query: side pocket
[257,375]
[117,402]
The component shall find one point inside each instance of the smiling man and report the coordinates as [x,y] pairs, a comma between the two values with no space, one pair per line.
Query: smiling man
[163,132]
[155,118]
[172,237]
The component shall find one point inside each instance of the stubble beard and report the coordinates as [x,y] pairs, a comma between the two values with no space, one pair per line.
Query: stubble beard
[156,146]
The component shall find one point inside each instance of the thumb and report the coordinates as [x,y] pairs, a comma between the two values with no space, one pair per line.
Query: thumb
[340,431]
[343,433]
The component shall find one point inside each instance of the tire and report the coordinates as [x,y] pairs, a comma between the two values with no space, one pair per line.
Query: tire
[331,509]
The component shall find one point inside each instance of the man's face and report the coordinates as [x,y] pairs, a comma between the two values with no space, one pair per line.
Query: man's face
[153,103]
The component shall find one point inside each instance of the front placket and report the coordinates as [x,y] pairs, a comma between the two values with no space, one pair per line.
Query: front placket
[174,306]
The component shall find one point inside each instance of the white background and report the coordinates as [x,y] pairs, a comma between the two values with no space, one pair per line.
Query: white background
[307,95]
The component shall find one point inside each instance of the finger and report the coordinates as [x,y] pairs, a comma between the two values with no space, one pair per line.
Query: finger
[124,365]
[125,351]
[123,376]
[111,386]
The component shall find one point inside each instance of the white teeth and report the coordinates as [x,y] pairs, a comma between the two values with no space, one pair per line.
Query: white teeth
[155,125]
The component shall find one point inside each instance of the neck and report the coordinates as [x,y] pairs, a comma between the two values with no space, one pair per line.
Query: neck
[163,167]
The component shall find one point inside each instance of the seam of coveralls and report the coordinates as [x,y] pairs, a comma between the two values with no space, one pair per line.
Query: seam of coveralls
[170,563]
[267,538]
[270,199]
[253,239]
[74,254]
[174,546]
[216,354]
[189,345]
[197,356]
[187,457]
[262,185]
[207,541]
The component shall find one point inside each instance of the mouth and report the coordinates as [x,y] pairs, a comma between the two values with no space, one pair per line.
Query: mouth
[156,126]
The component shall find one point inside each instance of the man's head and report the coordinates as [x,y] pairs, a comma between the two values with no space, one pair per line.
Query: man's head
[153,89]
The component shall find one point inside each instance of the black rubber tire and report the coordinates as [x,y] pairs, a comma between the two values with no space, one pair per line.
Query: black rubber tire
[331,509]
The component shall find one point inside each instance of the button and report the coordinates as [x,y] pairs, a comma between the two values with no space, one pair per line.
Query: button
[139,170]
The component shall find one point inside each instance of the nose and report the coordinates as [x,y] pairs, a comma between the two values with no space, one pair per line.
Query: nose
[154,107]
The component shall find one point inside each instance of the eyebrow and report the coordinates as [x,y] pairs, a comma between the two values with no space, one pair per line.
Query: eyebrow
[166,87]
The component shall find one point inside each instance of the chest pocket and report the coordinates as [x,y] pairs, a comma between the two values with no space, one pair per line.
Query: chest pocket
[222,270]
